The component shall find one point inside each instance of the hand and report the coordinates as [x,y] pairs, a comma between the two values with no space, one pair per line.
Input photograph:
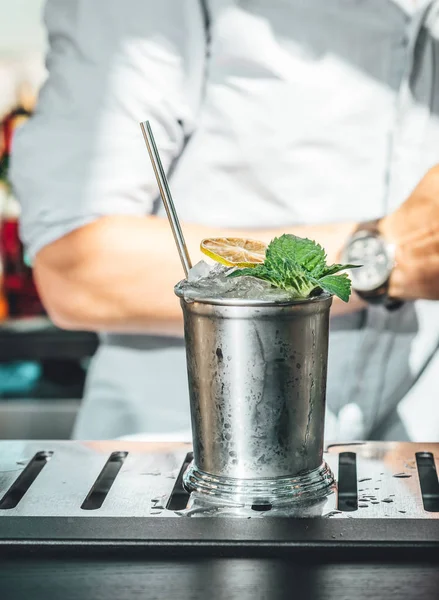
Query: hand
[414,229]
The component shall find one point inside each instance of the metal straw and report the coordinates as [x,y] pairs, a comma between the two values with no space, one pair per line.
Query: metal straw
[166,196]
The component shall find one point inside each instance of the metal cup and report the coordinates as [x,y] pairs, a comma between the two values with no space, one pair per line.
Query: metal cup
[257,380]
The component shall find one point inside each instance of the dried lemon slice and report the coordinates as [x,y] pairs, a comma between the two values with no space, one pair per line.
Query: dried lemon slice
[234,252]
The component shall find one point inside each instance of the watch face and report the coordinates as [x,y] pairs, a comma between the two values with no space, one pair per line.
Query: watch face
[374,255]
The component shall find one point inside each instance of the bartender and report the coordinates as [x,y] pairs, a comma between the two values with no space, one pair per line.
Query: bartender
[311,117]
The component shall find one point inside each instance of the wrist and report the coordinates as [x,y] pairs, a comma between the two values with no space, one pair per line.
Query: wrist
[386,229]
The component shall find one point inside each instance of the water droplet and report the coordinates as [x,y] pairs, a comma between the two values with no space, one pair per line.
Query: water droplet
[375,502]
[402,511]
[363,506]
[402,475]
[387,500]
[365,479]
[332,514]
[159,503]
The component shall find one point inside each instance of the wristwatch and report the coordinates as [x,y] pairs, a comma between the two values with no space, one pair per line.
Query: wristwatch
[368,248]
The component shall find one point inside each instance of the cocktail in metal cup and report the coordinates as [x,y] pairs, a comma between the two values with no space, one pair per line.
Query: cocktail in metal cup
[257,380]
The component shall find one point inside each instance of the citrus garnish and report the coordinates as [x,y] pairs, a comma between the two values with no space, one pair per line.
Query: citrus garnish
[234,252]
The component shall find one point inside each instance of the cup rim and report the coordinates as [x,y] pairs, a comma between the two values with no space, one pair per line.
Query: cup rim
[320,298]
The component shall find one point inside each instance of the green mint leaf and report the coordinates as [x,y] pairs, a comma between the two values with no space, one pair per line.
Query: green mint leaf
[336,269]
[298,265]
[287,276]
[301,251]
[338,285]
[256,271]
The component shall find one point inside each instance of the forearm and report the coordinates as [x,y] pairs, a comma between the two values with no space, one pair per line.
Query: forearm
[119,272]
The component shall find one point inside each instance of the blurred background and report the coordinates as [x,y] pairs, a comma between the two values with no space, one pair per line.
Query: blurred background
[42,368]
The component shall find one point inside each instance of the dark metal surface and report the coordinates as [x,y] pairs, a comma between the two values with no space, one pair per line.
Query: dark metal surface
[216,536]
[214,579]
[131,543]
[121,495]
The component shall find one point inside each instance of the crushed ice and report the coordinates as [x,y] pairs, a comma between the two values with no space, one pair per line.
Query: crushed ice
[201,269]
[205,281]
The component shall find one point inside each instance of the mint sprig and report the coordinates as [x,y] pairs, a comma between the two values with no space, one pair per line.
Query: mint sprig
[298,265]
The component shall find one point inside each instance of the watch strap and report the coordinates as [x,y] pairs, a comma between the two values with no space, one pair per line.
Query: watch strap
[380,297]
[369,226]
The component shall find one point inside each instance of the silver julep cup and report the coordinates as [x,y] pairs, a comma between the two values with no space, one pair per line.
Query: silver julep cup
[257,382]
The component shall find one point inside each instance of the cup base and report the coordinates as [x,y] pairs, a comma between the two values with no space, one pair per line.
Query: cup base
[278,491]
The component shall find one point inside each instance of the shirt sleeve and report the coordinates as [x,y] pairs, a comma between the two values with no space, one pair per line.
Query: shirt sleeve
[111,64]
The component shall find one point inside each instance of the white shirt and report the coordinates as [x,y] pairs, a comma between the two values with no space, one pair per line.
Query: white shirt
[271,113]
